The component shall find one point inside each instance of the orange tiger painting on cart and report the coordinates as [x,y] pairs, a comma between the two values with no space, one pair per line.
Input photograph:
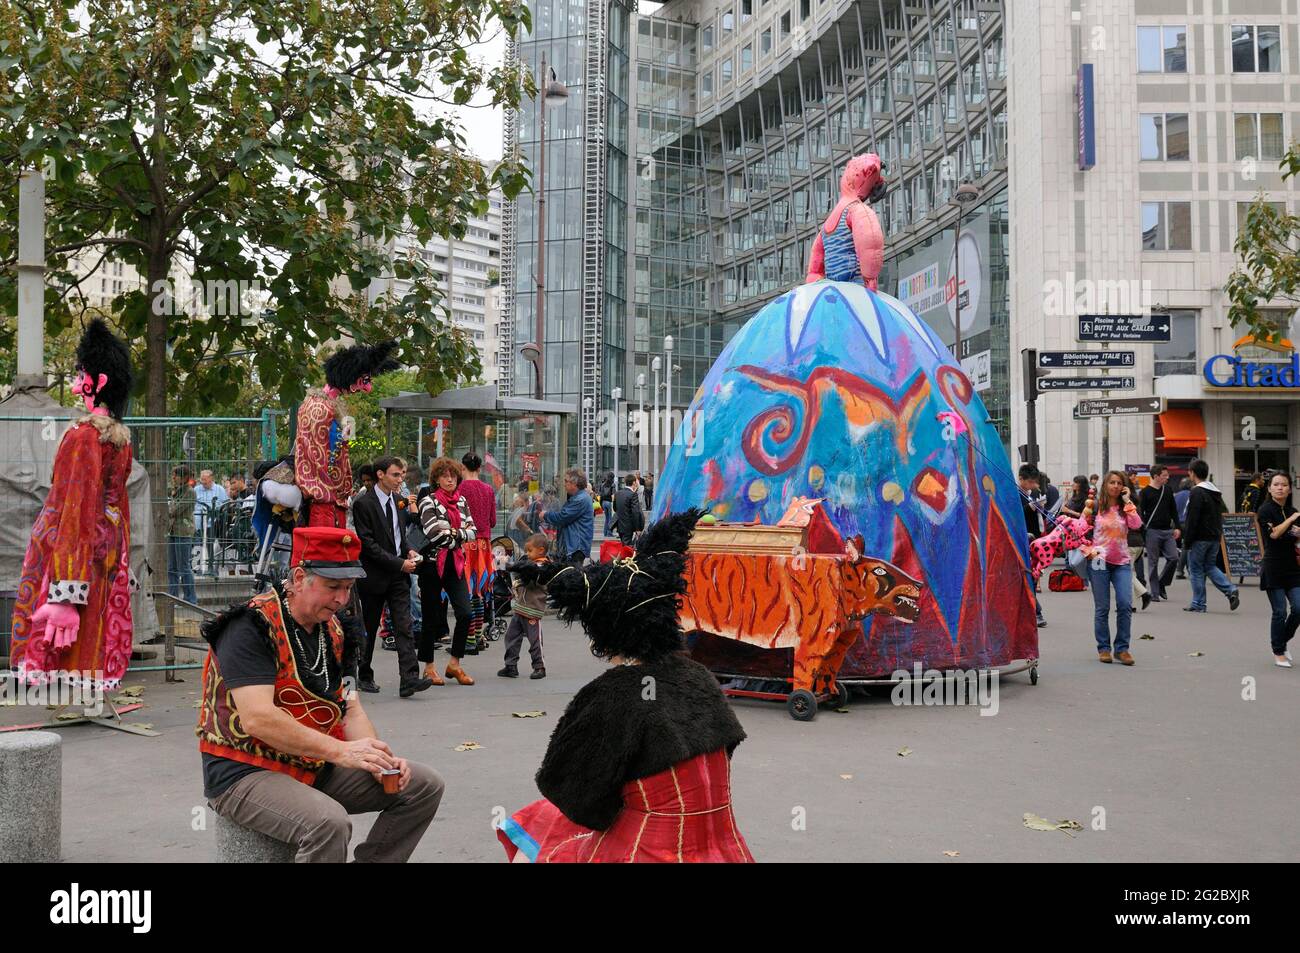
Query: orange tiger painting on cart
[811,602]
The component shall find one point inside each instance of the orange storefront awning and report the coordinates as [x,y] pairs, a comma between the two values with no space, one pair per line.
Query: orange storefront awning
[1183,429]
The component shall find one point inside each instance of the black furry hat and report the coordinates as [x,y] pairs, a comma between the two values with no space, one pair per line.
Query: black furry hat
[100,351]
[344,368]
[628,607]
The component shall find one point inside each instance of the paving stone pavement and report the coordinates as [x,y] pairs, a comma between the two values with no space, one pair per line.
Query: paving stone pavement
[1180,766]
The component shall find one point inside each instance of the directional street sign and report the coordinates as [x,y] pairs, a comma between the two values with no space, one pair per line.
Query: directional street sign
[1124,327]
[1119,407]
[1086,383]
[1087,358]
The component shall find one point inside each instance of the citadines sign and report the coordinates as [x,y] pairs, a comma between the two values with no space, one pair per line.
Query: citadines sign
[1254,364]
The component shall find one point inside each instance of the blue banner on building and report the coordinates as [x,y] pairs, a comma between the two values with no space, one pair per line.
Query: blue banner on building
[1087,134]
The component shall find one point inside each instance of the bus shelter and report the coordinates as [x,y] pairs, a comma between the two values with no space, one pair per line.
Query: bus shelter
[517,437]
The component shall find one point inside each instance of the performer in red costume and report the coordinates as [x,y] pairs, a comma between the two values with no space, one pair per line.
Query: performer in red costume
[850,245]
[639,768]
[72,618]
[321,466]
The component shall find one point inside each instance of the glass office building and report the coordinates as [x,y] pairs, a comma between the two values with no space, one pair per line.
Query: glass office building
[742,115]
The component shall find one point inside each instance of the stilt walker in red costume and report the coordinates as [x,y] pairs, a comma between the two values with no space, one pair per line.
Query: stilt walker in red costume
[321,466]
[638,769]
[72,618]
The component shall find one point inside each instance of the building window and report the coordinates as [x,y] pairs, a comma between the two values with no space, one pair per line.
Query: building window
[1243,208]
[1258,135]
[785,24]
[728,25]
[805,9]
[1178,355]
[1166,226]
[1162,49]
[706,38]
[765,42]
[726,72]
[706,84]
[746,10]
[1163,136]
[747,58]
[1256,49]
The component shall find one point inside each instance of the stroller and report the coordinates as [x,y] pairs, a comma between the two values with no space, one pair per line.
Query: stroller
[503,549]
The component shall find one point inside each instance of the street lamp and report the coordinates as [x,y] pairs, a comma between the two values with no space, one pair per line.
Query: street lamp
[654,424]
[551,92]
[668,394]
[967,194]
[616,395]
[640,421]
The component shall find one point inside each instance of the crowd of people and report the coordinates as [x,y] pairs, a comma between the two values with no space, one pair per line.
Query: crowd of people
[1136,544]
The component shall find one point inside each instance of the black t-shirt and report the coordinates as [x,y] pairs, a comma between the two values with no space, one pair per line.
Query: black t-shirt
[246,657]
[1278,567]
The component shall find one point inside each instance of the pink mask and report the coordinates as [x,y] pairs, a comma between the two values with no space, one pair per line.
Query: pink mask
[87,390]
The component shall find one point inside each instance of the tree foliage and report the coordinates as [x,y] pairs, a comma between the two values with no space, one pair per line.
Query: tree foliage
[1268,246]
[275,145]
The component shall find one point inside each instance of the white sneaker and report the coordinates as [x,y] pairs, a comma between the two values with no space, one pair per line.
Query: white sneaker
[1287,653]
[1282,663]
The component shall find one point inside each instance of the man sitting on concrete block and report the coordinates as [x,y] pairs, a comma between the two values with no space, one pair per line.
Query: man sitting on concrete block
[287,750]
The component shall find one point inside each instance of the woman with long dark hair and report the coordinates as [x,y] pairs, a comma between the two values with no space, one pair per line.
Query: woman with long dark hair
[1073,507]
[1279,571]
[446,521]
[1110,568]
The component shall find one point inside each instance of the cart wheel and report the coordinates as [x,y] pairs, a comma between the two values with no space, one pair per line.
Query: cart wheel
[497,629]
[1033,675]
[802,705]
[841,695]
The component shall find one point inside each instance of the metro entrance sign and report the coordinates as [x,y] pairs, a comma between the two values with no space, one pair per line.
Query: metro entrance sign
[1086,358]
[1151,329]
[1086,383]
[1119,407]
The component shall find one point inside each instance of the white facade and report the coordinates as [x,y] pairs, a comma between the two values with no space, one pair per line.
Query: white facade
[467,270]
[1095,227]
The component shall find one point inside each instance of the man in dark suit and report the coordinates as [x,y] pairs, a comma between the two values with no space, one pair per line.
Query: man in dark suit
[380,520]
[629,517]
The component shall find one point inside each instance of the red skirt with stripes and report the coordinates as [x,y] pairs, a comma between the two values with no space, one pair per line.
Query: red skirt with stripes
[682,815]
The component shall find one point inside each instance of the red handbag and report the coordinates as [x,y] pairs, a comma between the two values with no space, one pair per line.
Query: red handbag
[1065,580]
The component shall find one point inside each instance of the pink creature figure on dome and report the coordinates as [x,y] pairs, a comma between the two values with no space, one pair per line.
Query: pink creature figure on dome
[850,245]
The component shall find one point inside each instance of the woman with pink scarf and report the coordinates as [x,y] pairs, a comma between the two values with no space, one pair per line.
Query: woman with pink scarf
[1110,566]
[446,521]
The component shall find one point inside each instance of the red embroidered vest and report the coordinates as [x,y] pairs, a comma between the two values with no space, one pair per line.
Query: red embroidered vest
[219,729]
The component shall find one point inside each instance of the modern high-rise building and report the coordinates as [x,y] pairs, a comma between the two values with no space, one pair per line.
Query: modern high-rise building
[466,269]
[684,189]
[1188,109]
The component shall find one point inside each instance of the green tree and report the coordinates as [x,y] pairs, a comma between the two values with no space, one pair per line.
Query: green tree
[267,144]
[1268,246]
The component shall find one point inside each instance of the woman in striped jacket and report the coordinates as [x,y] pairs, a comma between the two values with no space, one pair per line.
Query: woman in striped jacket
[444,517]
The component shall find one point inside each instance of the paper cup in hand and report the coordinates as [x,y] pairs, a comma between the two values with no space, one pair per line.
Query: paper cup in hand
[390,778]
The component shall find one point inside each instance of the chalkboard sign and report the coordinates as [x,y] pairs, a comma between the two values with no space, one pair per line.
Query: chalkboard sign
[1241,545]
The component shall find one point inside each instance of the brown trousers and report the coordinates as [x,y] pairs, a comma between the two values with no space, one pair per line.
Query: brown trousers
[315,819]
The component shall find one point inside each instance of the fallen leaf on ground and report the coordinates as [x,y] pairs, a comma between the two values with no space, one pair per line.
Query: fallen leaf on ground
[468,746]
[904,751]
[68,716]
[135,691]
[1036,823]
[1195,654]
[842,711]
[146,725]
[1151,637]
[952,853]
[528,714]
[846,777]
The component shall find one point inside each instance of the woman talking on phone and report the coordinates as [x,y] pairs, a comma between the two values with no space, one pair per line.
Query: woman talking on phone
[1279,571]
[1110,566]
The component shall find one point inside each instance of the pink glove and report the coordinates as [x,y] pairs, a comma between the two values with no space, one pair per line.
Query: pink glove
[61,621]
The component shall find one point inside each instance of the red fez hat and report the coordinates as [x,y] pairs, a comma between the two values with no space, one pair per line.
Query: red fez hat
[326,551]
